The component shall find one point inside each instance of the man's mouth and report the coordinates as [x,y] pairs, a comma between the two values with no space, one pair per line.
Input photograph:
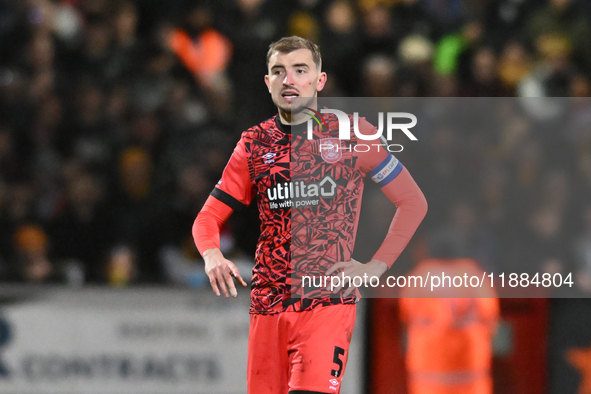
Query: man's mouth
[289,94]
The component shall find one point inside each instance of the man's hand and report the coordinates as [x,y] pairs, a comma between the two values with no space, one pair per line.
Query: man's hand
[354,268]
[220,272]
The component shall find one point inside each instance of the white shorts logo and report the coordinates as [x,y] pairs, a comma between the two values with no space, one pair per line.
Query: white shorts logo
[333,384]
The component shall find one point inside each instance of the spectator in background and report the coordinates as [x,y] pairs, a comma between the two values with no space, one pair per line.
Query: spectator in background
[453,49]
[552,76]
[564,20]
[504,20]
[137,203]
[514,64]
[443,168]
[40,65]
[92,59]
[122,267]
[30,262]
[580,137]
[251,25]
[187,198]
[379,77]
[466,230]
[206,53]
[544,235]
[494,196]
[304,24]
[447,14]
[526,178]
[19,206]
[416,55]
[146,132]
[67,22]
[127,47]
[340,44]
[582,252]
[13,99]
[153,81]
[482,79]
[45,137]
[411,18]
[83,232]
[377,32]
[580,86]
[5,245]
[9,155]
[181,261]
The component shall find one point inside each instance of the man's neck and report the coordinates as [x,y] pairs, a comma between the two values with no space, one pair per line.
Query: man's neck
[287,119]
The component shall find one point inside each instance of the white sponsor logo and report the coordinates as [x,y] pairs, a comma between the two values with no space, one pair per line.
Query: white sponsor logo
[300,189]
[300,194]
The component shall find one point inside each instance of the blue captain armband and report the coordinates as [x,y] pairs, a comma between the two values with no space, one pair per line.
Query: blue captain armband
[386,171]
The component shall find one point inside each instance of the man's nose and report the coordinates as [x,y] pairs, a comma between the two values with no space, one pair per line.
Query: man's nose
[288,80]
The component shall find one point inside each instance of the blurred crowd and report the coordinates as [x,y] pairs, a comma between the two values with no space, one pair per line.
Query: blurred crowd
[118,116]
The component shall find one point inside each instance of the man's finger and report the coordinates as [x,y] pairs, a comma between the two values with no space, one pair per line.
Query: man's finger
[236,274]
[335,267]
[230,281]
[349,291]
[338,288]
[222,282]
[348,271]
[239,278]
[214,285]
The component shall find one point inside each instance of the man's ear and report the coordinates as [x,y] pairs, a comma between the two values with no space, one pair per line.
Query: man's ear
[268,83]
[321,82]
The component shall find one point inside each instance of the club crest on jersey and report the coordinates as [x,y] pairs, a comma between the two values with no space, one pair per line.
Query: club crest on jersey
[330,149]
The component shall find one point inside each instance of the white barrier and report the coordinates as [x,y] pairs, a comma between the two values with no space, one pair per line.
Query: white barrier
[148,341]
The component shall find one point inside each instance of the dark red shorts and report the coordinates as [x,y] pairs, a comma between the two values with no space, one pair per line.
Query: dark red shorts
[307,350]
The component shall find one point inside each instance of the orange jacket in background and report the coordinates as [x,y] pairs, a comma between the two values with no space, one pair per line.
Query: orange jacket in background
[449,347]
[206,56]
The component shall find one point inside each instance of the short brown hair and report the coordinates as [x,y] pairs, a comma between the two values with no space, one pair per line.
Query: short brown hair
[293,43]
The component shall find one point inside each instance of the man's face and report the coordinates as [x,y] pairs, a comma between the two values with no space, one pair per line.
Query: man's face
[292,75]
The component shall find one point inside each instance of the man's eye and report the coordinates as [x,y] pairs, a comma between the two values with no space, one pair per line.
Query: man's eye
[278,72]
[301,71]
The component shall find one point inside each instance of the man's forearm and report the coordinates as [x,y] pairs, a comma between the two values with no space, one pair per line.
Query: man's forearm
[411,209]
[207,225]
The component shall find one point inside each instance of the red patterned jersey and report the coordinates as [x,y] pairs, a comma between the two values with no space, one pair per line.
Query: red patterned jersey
[308,193]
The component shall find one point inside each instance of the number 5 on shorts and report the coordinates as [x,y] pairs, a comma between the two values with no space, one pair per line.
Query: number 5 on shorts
[338,352]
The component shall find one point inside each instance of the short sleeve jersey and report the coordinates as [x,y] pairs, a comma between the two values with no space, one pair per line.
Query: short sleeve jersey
[308,193]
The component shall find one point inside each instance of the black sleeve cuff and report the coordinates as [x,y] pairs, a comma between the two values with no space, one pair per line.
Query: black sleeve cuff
[227,199]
